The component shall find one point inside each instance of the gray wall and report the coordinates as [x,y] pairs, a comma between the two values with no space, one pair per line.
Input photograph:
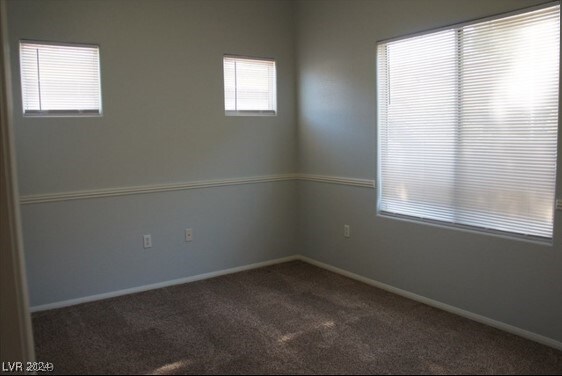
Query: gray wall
[86,247]
[163,94]
[163,122]
[512,281]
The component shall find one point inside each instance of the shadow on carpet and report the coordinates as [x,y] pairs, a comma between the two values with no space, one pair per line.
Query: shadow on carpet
[291,318]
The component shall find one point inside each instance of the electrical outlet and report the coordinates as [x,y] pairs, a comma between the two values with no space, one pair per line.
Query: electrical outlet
[188,234]
[346,231]
[147,241]
[559,204]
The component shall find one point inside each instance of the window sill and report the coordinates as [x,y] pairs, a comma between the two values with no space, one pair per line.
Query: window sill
[466,228]
[250,113]
[61,113]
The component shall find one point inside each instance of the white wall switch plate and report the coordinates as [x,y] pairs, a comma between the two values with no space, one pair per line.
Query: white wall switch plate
[346,231]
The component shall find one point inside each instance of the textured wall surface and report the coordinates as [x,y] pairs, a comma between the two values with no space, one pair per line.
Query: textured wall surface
[163,122]
[508,280]
[162,91]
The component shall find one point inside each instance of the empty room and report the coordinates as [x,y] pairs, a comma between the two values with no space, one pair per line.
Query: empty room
[281,187]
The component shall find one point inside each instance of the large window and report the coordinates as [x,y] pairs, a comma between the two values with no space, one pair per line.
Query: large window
[249,86]
[60,79]
[468,120]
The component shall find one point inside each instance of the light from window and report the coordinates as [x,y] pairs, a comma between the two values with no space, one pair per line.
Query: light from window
[60,79]
[249,86]
[468,122]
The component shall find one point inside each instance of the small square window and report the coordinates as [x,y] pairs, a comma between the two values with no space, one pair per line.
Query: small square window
[250,86]
[60,79]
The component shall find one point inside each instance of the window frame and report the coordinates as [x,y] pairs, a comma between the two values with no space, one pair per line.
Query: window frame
[471,22]
[66,112]
[453,225]
[237,112]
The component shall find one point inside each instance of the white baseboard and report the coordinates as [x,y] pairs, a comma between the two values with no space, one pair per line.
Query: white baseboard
[445,307]
[410,295]
[153,286]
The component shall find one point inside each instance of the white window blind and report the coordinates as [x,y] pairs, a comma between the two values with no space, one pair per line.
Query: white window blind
[60,79]
[468,121]
[249,86]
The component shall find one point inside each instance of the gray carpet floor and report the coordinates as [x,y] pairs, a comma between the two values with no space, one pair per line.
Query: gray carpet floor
[291,318]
